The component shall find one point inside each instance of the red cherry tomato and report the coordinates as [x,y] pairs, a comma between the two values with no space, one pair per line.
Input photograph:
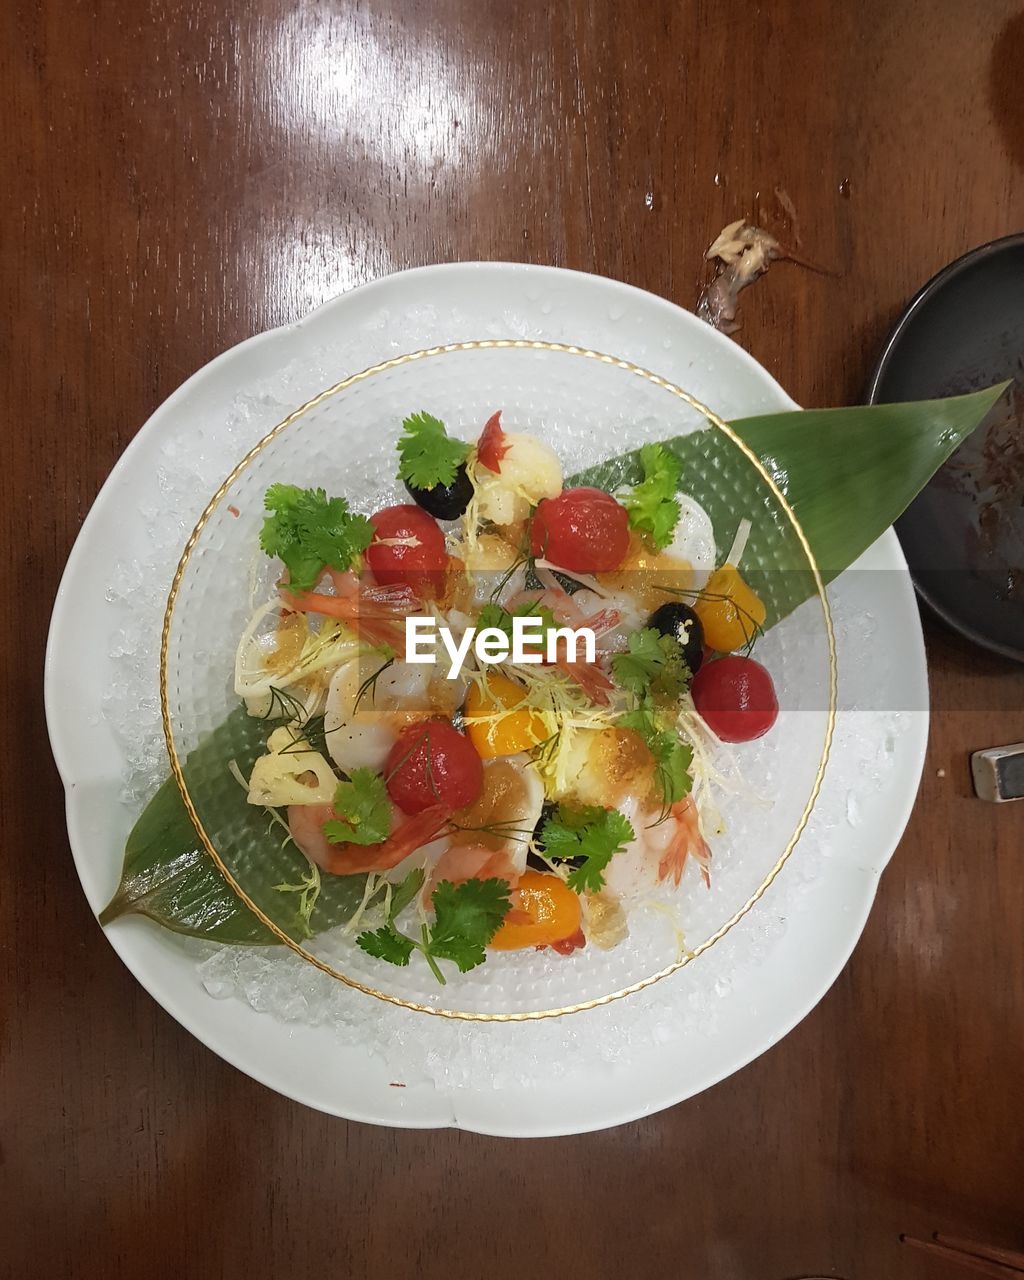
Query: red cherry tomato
[584,529]
[492,445]
[408,550]
[736,697]
[433,764]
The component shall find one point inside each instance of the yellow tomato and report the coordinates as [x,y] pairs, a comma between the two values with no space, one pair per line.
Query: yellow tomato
[518,729]
[729,611]
[544,910]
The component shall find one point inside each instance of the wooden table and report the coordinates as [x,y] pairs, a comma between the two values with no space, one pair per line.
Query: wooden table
[178,176]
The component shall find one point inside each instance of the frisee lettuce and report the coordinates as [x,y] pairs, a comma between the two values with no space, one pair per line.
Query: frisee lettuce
[652,504]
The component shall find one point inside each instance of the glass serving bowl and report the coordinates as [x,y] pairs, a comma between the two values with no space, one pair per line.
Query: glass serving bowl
[590,407]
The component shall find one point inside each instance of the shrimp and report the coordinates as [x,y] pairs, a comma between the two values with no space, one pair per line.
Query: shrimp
[306,823]
[461,862]
[660,848]
[375,613]
[594,682]
[592,679]
[686,841]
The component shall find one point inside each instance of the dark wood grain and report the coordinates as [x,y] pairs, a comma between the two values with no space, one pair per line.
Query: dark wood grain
[178,176]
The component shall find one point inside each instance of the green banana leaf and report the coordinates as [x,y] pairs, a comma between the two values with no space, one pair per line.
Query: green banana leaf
[847,473]
[169,877]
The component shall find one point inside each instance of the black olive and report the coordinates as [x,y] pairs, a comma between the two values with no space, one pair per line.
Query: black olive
[445,501]
[681,623]
[538,864]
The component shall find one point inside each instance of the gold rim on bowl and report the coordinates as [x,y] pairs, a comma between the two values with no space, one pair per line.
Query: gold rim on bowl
[497,344]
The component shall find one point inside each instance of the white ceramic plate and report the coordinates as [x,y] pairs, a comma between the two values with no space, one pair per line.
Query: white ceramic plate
[227,406]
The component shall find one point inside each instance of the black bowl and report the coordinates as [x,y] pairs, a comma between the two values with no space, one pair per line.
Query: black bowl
[964,535]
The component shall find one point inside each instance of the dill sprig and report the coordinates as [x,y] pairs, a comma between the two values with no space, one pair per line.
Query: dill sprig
[369,685]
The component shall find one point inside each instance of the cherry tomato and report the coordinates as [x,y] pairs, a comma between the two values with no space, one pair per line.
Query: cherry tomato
[544,911]
[408,549]
[518,730]
[584,529]
[736,697]
[730,612]
[433,764]
[492,445]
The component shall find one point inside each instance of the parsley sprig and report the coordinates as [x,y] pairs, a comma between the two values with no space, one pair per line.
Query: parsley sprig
[592,836]
[367,811]
[466,918]
[427,455]
[311,532]
[653,663]
[652,505]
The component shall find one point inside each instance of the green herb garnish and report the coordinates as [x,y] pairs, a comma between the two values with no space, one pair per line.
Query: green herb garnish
[428,456]
[653,662]
[386,943]
[652,505]
[311,532]
[672,758]
[466,918]
[495,615]
[593,834]
[364,802]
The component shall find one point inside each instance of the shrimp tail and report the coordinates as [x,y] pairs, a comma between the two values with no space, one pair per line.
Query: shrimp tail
[590,678]
[686,842]
[380,623]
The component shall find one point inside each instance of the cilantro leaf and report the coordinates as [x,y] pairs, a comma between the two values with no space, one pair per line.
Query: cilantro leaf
[652,505]
[367,811]
[310,532]
[387,944]
[672,757]
[653,661]
[495,615]
[592,834]
[467,916]
[427,455]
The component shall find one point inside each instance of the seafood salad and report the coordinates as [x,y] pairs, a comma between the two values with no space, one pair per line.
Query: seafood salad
[529,791]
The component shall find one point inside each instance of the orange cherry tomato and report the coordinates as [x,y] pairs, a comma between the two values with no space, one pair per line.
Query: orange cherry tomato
[729,611]
[517,730]
[544,911]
